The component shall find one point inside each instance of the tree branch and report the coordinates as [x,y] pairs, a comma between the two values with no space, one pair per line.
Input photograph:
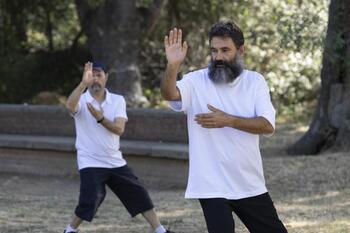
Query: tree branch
[84,12]
[75,41]
[151,14]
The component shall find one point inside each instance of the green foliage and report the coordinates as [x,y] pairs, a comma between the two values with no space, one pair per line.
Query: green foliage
[39,48]
[143,3]
[154,97]
[41,43]
[27,75]
[283,41]
[37,25]
[53,25]
[95,3]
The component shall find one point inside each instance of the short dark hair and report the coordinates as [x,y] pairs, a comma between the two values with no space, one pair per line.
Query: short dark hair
[227,29]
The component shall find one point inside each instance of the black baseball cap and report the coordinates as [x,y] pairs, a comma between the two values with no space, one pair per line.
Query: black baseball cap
[96,65]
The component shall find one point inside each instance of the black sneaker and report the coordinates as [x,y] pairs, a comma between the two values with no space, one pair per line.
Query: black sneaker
[167,231]
[70,231]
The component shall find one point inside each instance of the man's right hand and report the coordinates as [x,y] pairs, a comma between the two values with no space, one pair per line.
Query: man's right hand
[87,79]
[174,48]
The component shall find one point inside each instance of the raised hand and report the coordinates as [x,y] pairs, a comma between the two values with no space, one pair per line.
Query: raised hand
[87,74]
[174,48]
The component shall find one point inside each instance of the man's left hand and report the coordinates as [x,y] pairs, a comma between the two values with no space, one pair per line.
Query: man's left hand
[94,112]
[215,119]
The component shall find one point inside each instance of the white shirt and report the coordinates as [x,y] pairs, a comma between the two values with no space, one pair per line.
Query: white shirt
[224,162]
[96,146]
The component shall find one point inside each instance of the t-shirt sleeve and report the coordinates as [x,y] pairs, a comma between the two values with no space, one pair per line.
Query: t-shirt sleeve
[263,104]
[121,109]
[184,87]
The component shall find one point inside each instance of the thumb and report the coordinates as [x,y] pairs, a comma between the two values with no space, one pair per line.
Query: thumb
[91,106]
[212,108]
[184,46]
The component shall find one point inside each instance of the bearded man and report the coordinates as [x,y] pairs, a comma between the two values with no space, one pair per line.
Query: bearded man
[227,108]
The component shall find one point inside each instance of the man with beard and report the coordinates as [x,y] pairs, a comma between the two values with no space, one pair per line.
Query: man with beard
[227,108]
[100,118]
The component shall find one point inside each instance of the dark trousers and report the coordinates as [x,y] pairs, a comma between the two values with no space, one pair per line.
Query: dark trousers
[121,181]
[257,213]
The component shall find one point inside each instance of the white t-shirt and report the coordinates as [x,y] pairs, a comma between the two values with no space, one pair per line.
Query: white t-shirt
[96,146]
[224,162]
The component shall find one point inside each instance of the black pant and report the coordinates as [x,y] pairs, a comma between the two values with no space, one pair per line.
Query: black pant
[121,181]
[257,213]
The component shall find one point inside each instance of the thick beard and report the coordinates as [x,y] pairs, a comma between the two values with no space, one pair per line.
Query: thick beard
[95,88]
[228,71]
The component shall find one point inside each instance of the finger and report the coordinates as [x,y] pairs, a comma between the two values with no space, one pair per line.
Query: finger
[175,35]
[184,47]
[204,115]
[205,120]
[89,107]
[89,66]
[171,37]
[86,66]
[179,36]
[208,125]
[212,108]
[166,41]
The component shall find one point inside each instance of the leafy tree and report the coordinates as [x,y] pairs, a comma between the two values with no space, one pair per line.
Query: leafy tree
[45,43]
[283,40]
[330,126]
[40,48]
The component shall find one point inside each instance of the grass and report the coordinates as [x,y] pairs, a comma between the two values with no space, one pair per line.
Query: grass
[311,194]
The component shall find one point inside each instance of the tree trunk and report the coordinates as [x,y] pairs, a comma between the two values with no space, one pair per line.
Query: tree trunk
[330,127]
[115,31]
[49,26]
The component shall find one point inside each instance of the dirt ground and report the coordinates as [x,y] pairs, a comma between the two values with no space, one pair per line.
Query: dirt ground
[311,194]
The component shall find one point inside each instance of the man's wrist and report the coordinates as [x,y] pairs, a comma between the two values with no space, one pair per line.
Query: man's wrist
[82,86]
[231,121]
[173,66]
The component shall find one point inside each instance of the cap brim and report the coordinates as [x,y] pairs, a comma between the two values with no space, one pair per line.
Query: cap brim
[98,68]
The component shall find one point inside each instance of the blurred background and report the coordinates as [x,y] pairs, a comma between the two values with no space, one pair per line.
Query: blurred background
[44,44]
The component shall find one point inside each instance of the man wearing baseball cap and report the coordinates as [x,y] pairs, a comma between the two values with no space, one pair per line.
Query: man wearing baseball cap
[100,118]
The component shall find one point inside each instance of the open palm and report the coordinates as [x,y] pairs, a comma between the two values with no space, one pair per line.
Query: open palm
[87,75]
[174,48]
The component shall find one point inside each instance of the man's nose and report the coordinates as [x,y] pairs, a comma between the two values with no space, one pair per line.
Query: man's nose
[219,57]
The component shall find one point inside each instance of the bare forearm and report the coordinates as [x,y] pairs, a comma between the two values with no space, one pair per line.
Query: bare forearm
[73,99]
[258,125]
[113,127]
[168,83]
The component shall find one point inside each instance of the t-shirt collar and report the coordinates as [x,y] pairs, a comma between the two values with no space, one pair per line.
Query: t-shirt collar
[108,99]
[237,79]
